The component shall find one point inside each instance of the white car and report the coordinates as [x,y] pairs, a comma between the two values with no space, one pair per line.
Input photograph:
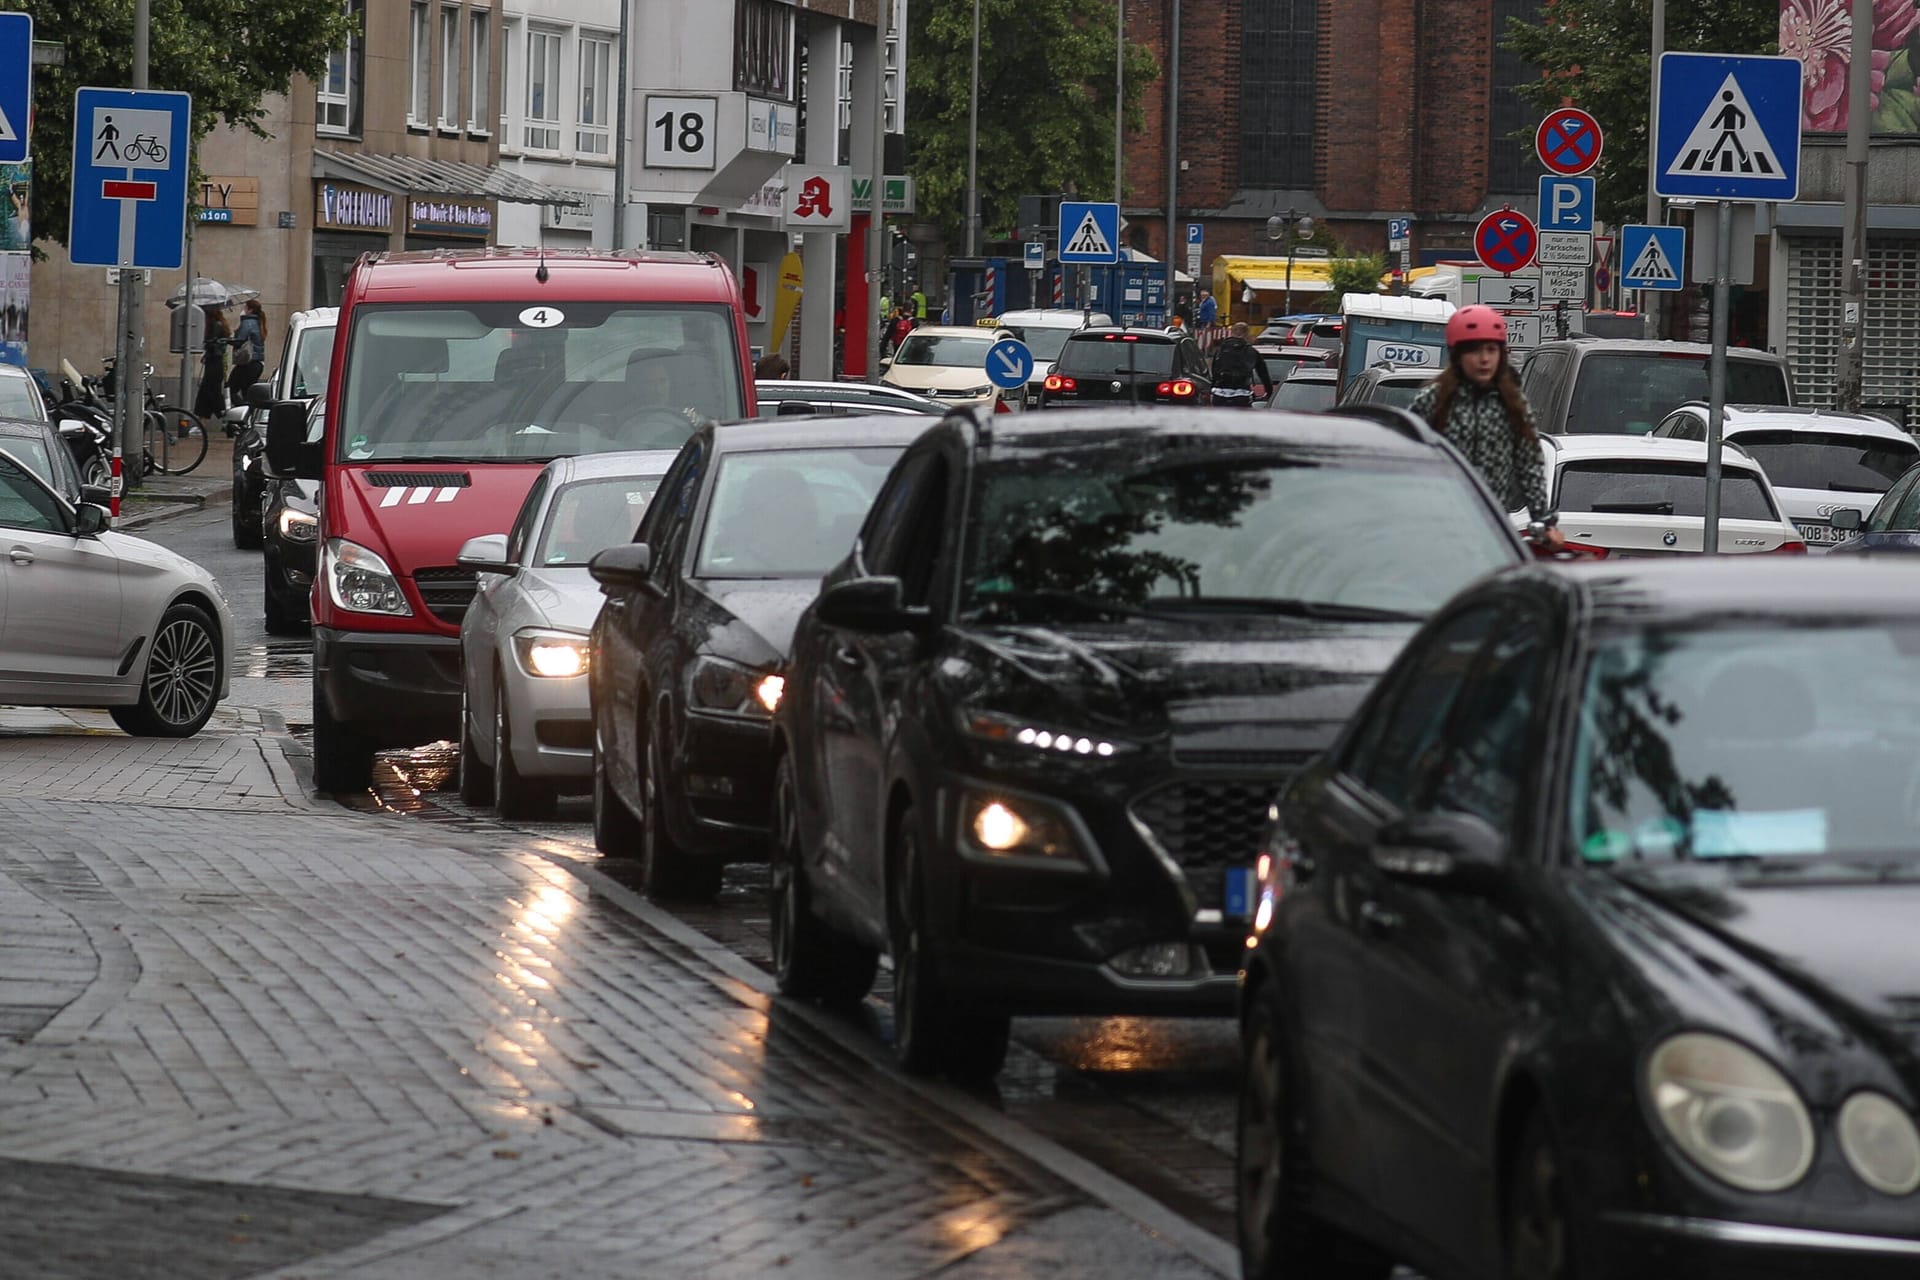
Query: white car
[1045,332]
[20,397]
[526,723]
[1820,461]
[949,363]
[91,618]
[1621,495]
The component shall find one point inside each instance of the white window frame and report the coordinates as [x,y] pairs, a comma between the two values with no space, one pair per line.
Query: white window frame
[324,101]
[480,89]
[419,63]
[450,67]
[513,81]
[546,131]
[593,97]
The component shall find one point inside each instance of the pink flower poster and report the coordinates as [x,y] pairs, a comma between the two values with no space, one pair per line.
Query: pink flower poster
[1820,34]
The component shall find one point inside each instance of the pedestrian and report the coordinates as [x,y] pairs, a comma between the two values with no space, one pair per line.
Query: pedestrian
[1176,323]
[1205,314]
[249,351]
[1183,307]
[899,328]
[214,344]
[1237,369]
[919,305]
[771,367]
[1477,404]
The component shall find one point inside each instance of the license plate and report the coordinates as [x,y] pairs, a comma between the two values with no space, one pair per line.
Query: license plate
[1822,533]
[1239,903]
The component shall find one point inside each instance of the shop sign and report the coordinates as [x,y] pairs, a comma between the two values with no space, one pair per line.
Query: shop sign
[342,207]
[233,201]
[772,126]
[427,216]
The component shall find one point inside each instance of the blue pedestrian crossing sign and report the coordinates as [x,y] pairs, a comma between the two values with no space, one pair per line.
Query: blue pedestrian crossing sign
[129,199]
[1653,257]
[1009,364]
[1566,204]
[1089,232]
[16,85]
[1727,128]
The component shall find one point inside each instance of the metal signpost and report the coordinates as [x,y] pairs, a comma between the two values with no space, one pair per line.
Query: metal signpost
[1727,129]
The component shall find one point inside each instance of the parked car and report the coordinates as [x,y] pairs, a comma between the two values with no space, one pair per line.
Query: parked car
[688,657]
[526,727]
[36,442]
[1892,527]
[1607,386]
[1308,389]
[1397,385]
[20,395]
[1098,367]
[305,356]
[1587,950]
[1045,332]
[1819,461]
[1636,496]
[100,619]
[948,363]
[783,395]
[1033,724]
[289,538]
[1282,363]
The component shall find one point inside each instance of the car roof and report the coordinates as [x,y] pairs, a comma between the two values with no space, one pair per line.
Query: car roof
[1382,372]
[600,466]
[494,275]
[1779,417]
[1313,373]
[809,431]
[1651,346]
[1359,430]
[13,371]
[953,331]
[1578,447]
[1104,330]
[782,387]
[1052,319]
[314,316]
[1685,589]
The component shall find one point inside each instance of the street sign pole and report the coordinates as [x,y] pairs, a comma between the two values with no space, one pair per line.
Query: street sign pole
[129,378]
[1717,370]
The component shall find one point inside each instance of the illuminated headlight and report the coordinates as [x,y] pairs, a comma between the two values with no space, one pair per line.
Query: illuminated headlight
[733,688]
[1017,826]
[298,526]
[360,581]
[994,727]
[968,393]
[555,654]
[1730,1111]
[1881,1144]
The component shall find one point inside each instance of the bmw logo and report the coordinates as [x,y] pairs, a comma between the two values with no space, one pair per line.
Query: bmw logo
[1669,537]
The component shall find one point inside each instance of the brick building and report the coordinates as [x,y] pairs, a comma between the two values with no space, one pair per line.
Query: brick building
[1351,111]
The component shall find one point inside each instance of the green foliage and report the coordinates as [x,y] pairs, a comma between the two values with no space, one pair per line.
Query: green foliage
[1597,55]
[227,56]
[1046,104]
[1358,274]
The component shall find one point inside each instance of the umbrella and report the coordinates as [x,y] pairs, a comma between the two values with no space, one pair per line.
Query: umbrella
[208,292]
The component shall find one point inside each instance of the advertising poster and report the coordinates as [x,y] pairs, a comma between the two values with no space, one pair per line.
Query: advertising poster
[1820,34]
[16,273]
[16,218]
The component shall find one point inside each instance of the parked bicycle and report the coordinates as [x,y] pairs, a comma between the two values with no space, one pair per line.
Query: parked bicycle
[173,441]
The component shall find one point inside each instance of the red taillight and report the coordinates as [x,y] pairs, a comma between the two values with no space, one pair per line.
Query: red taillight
[1790,549]
[1055,382]
[1178,389]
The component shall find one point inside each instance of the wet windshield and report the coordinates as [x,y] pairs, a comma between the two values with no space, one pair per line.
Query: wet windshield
[1632,392]
[589,516]
[20,398]
[1305,393]
[1756,742]
[312,361]
[1818,460]
[956,352]
[1626,486]
[512,382]
[789,513]
[1185,533]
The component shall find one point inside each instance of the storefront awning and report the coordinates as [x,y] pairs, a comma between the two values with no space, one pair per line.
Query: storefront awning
[1301,284]
[413,176]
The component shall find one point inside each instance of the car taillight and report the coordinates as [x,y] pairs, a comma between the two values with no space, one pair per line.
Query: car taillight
[1178,389]
[1790,549]
[1055,382]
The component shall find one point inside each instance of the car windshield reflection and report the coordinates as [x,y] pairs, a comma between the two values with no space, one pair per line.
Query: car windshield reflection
[789,513]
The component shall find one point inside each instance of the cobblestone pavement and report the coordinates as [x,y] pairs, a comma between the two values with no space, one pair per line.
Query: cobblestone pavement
[242,1034]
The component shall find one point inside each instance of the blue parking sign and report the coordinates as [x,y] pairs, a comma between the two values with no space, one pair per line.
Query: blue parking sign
[1566,204]
[129,197]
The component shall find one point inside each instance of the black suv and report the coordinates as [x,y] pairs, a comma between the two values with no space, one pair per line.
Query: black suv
[1131,366]
[1035,720]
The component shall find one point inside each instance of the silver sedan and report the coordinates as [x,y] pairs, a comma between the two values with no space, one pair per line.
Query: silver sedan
[526,727]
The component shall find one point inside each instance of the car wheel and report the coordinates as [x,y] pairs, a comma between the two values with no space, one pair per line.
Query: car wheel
[1536,1208]
[810,959]
[1277,1237]
[928,1036]
[517,798]
[476,778]
[342,758]
[246,519]
[667,870]
[182,681]
[615,830]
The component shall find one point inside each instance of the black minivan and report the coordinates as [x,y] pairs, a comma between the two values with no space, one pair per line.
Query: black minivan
[1623,386]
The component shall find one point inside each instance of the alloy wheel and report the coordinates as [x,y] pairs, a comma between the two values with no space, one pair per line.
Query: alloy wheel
[183,671]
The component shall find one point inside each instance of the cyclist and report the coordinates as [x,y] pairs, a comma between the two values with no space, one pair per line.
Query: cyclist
[1477,404]
[1237,368]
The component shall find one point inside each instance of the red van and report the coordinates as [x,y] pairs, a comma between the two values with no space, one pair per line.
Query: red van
[456,377]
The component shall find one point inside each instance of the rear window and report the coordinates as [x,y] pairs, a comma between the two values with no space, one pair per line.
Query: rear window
[1115,354]
[1628,487]
[1829,460]
[1304,394]
[1044,340]
[1399,392]
[1630,392]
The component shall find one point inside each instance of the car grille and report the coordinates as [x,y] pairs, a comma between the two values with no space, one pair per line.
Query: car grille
[447,591]
[1205,826]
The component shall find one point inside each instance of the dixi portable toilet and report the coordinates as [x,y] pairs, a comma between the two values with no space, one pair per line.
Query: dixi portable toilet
[1385,329]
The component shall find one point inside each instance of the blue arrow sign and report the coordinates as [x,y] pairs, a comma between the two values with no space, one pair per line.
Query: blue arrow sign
[129,200]
[16,85]
[1653,258]
[1727,128]
[1566,204]
[1089,232]
[1009,364]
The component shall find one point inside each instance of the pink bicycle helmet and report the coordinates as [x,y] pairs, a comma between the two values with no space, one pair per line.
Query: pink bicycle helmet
[1476,324]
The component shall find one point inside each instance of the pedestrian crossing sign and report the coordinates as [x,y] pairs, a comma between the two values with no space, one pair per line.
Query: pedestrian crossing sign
[1089,231]
[1653,256]
[1727,128]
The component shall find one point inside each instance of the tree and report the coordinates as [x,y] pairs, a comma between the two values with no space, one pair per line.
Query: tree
[1046,104]
[228,57]
[1596,54]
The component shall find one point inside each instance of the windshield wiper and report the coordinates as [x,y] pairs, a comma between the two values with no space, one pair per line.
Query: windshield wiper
[1092,604]
[1326,610]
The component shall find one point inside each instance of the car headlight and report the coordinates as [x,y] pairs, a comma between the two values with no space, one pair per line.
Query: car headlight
[1881,1143]
[733,688]
[1730,1111]
[967,393]
[360,581]
[554,654]
[1017,826]
[993,726]
[298,526]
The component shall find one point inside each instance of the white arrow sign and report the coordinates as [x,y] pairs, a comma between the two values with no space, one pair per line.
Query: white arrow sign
[1009,366]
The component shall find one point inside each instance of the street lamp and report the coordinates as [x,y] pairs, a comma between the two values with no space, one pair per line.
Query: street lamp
[1277,227]
[973,143]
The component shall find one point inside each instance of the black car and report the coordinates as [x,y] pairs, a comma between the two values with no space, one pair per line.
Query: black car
[1033,725]
[289,538]
[305,358]
[782,395]
[1588,950]
[1133,366]
[688,655]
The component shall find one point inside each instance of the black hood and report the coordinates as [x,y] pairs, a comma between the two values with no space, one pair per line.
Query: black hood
[751,620]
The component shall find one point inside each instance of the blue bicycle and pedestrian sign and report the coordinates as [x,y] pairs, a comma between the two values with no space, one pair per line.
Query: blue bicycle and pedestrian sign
[1506,240]
[129,198]
[1009,364]
[1728,128]
[16,86]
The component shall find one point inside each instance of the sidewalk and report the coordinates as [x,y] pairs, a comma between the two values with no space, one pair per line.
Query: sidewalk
[160,497]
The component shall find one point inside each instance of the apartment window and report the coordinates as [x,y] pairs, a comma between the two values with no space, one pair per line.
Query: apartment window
[513,78]
[1279,41]
[337,95]
[1511,166]
[763,48]
[449,67]
[418,52]
[543,89]
[594,137]
[481,73]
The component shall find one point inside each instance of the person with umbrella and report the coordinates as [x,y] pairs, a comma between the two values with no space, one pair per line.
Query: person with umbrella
[249,351]
[210,400]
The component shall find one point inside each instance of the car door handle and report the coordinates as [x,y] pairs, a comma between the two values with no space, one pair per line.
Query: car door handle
[1378,920]
[849,657]
[20,555]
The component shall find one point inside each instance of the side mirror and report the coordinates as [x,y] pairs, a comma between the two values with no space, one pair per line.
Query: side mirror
[1455,851]
[98,494]
[259,395]
[486,554]
[628,567]
[873,605]
[288,453]
[790,408]
[89,520]
[73,427]
[886,362]
[1847,519]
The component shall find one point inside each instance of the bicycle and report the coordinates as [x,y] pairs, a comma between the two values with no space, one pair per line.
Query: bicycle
[173,441]
[146,145]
